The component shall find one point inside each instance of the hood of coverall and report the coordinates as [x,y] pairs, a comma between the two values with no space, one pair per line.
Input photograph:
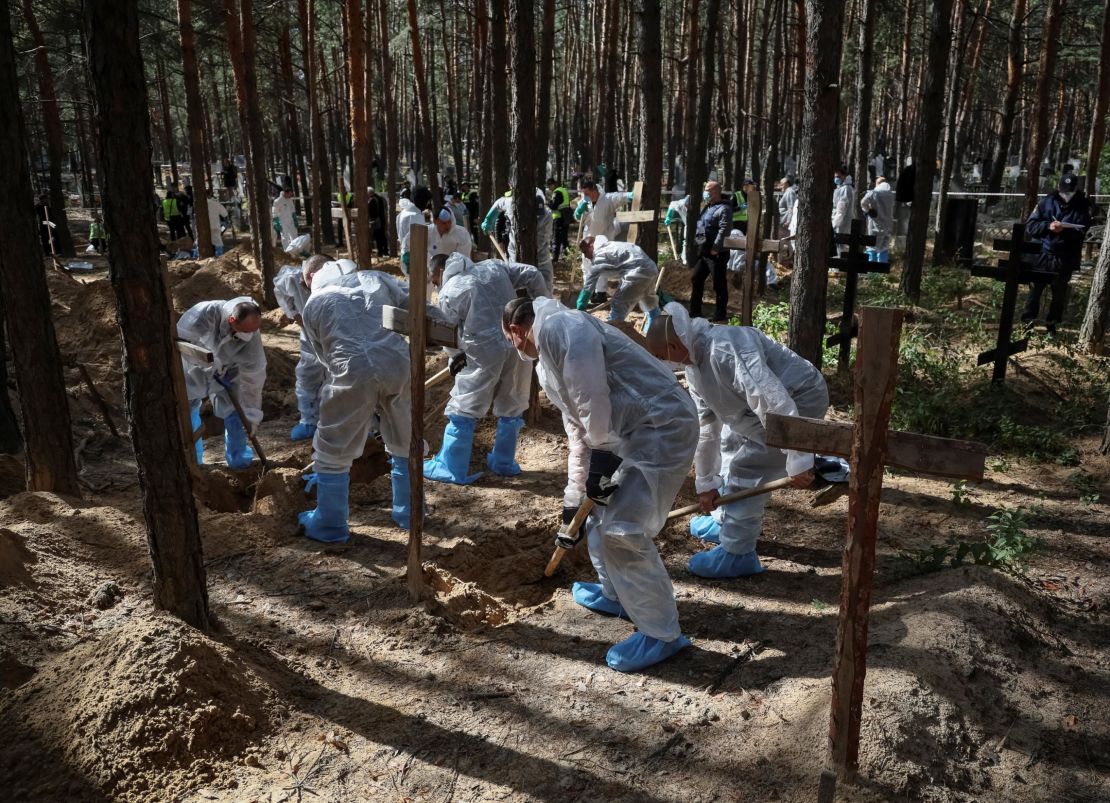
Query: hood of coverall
[456,264]
[332,272]
[691,331]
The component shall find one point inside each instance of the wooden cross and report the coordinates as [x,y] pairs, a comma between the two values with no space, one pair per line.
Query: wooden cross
[870,447]
[852,265]
[436,333]
[418,297]
[754,246]
[636,216]
[1013,272]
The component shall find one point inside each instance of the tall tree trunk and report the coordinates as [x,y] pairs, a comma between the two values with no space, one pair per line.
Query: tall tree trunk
[651,117]
[963,125]
[696,170]
[865,82]
[11,439]
[289,107]
[524,223]
[241,40]
[360,152]
[453,90]
[145,309]
[392,146]
[321,185]
[547,72]
[430,156]
[195,115]
[1093,331]
[167,123]
[52,126]
[1014,74]
[483,98]
[1046,70]
[956,58]
[817,157]
[499,98]
[38,365]
[925,157]
[1102,104]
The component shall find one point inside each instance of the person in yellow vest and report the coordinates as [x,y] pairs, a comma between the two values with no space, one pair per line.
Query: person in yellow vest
[171,213]
[740,206]
[558,198]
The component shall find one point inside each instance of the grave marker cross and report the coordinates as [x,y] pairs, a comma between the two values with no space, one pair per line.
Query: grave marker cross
[870,447]
[851,265]
[753,246]
[1013,272]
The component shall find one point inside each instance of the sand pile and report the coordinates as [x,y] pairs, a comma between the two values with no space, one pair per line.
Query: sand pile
[231,275]
[86,329]
[138,713]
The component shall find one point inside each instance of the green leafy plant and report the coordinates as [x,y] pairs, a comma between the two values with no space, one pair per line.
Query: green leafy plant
[961,495]
[1008,546]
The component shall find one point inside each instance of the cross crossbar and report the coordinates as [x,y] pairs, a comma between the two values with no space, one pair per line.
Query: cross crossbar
[851,264]
[1014,272]
[439,333]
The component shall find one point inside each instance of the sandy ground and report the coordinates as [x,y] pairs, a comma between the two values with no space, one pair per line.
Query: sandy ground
[323,681]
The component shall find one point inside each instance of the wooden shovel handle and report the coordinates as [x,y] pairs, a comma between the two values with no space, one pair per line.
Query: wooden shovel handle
[575,524]
[734,497]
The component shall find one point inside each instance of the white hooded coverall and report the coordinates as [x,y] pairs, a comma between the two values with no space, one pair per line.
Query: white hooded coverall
[628,263]
[368,368]
[881,199]
[544,229]
[615,396]
[285,210]
[843,197]
[292,295]
[737,376]
[408,215]
[472,297]
[455,241]
[243,361]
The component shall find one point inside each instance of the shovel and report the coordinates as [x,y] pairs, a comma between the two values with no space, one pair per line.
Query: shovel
[747,493]
[566,541]
[246,424]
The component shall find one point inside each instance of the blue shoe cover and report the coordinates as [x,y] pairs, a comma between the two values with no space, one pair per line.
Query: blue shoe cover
[589,595]
[236,450]
[652,314]
[453,460]
[502,460]
[328,522]
[309,481]
[219,250]
[194,422]
[302,432]
[718,564]
[402,502]
[639,652]
[706,528]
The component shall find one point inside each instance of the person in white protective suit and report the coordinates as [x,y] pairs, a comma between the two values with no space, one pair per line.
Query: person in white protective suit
[738,260]
[544,228]
[284,214]
[229,329]
[408,215]
[367,375]
[736,376]
[878,205]
[486,369]
[632,432]
[447,237]
[292,286]
[626,262]
[844,196]
[216,214]
[600,210]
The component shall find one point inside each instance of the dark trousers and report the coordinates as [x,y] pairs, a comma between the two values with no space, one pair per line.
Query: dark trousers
[561,226]
[1063,270]
[381,241]
[717,266]
[177,227]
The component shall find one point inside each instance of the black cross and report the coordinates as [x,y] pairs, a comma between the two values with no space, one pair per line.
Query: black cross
[852,265]
[1014,272]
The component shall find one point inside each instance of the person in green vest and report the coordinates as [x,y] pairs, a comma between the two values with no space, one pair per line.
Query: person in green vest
[171,213]
[97,238]
[558,198]
[740,206]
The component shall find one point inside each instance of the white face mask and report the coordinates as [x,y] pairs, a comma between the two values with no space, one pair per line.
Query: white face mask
[524,356]
[705,195]
[245,336]
[1067,196]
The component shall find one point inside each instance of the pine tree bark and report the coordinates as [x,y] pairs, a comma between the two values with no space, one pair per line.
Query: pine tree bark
[292,121]
[903,146]
[11,439]
[1104,448]
[1046,70]
[167,123]
[1102,104]
[524,223]
[145,309]
[865,82]
[1093,331]
[956,59]
[696,170]
[239,22]
[391,134]
[547,72]
[38,365]
[430,156]
[1014,74]
[360,150]
[194,111]
[925,157]
[651,117]
[322,229]
[499,99]
[52,128]
[817,156]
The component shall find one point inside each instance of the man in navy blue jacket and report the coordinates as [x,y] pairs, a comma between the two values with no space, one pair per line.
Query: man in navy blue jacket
[713,227]
[1060,222]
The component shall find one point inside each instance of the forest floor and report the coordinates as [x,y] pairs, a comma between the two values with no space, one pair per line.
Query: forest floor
[323,681]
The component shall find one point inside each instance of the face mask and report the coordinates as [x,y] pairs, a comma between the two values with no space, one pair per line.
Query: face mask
[1067,196]
[245,336]
[524,356]
[837,181]
[705,196]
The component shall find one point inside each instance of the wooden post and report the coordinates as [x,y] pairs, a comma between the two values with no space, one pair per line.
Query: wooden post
[853,263]
[418,335]
[345,212]
[875,378]
[637,198]
[751,259]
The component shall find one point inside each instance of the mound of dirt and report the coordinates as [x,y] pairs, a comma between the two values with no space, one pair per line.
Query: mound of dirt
[14,557]
[229,276]
[85,325]
[139,712]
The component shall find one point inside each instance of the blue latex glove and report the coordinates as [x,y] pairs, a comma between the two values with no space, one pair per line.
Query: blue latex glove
[489,223]
[583,301]
[277,225]
[405,259]
[580,210]
[629,196]
[222,380]
[671,217]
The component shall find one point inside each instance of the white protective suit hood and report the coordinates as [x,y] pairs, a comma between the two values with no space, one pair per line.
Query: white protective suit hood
[300,246]
[691,331]
[332,272]
[883,187]
[456,264]
[406,205]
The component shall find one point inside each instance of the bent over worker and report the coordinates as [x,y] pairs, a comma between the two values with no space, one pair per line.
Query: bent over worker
[626,262]
[737,375]
[368,375]
[228,329]
[485,367]
[504,206]
[632,431]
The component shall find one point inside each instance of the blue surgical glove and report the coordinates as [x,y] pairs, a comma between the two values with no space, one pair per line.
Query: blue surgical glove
[405,259]
[580,210]
[489,223]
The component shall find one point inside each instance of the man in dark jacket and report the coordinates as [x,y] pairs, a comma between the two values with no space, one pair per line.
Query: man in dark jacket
[1060,222]
[713,227]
